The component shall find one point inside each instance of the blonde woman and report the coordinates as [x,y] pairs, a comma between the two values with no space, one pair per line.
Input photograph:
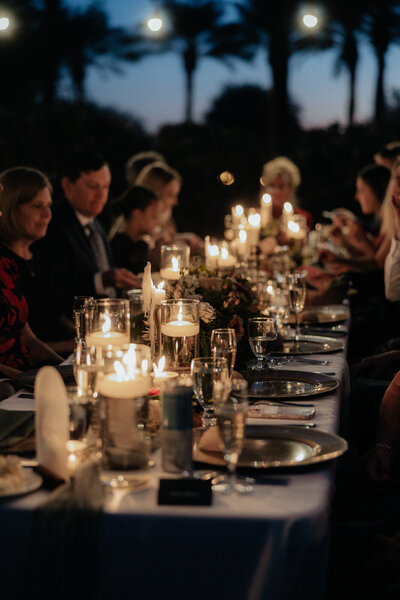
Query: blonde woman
[281,179]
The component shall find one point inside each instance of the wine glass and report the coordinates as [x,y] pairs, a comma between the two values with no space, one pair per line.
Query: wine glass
[210,383]
[231,414]
[262,333]
[79,307]
[297,297]
[224,345]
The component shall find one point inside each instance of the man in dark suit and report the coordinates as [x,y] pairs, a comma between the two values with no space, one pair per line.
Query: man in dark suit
[76,242]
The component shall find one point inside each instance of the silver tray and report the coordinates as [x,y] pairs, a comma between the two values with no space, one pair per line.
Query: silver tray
[309,344]
[269,446]
[287,384]
[322,314]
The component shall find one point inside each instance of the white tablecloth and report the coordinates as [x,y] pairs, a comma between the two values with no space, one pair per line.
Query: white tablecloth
[269,545]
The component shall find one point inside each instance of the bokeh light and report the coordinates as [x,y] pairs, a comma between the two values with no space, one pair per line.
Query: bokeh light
[310,21]
[155,24]
[226,178]
[4,23]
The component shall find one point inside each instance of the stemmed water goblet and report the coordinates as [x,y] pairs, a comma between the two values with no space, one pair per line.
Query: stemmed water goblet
[297,297]
[231,411]
[210,382]
[262,332]
[224,345]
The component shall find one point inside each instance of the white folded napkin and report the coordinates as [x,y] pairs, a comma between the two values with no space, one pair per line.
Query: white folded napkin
[51,422]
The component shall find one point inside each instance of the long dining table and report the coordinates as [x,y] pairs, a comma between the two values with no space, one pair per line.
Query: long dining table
[270,544]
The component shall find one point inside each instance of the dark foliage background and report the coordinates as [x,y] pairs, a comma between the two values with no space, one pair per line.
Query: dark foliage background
[329,159]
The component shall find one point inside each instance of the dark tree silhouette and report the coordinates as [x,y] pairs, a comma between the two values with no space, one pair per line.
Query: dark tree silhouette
[274,27]
[383,28]
[344,24]
[196,33]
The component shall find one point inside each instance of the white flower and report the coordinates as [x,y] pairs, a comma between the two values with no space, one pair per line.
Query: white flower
[207,312]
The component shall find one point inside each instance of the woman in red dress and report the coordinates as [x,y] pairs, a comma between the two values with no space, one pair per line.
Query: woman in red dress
[25,205]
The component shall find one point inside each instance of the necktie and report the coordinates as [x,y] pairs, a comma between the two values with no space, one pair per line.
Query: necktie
[98,247]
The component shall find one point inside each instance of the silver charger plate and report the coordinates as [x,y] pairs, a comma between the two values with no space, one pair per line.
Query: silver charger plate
[322,314]
[309,344]
[32,482]
[269,446]
[287,384]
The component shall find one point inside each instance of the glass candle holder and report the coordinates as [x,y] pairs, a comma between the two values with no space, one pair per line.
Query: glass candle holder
[108,323]
[124,392]
[180,328]
[174,258]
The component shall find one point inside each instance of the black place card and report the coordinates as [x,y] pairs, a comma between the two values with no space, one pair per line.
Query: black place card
[187,491]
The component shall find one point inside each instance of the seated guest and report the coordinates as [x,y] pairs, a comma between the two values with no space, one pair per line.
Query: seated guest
[388,155]
[138,161]
[76,243]
[137,215]
[25,201]
[166,183]
[365,251]
[281,179]
[392,262]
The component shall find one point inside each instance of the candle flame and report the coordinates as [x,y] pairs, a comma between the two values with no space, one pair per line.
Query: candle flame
[158,369]
[242,236]
[254,219]
[212,250]
[175,263]
[119,369]
[293,226]
[180,318]
[288,208]
[270,289]
[224,253]
[266,199]
[239,210]
[107,323]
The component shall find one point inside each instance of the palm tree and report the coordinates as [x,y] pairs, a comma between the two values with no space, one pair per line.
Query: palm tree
[273,26]
[383,28]
[196,33]
[92,42]
[345,24]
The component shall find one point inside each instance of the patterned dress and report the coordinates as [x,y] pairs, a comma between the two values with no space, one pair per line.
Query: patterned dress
[13,313]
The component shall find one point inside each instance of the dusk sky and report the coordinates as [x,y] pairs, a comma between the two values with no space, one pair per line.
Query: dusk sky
[152,89]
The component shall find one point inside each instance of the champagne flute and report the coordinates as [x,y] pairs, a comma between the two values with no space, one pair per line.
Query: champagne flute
[79,307]
[262,333]
[210,382]
[224,345]
[297,297]
[231,412]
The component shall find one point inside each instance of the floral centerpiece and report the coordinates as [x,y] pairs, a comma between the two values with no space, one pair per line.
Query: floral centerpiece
[226,300]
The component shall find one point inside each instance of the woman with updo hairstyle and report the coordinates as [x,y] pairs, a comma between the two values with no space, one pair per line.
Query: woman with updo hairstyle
[138,161]
[25,206]
[281,179]
[136,219]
